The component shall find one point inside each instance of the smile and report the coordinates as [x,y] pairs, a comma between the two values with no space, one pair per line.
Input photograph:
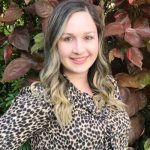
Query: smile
[80,60]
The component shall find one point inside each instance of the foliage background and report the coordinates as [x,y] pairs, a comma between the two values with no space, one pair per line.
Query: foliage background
[127,33]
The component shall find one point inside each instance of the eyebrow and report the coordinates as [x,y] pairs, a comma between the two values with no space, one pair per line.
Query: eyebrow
[84,33]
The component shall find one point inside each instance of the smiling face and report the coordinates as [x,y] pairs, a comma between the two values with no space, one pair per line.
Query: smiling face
[78,45]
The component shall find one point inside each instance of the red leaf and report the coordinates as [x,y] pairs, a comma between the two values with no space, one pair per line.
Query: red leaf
[146,9]
[137,128]
[53,3]
[43,8]
[17,68]
[45,24]
[37,66]
[20,38]
[141,22]
[37,57]
[8,53]
[123,18]
[141,26]
[3,38]
[135,56]
[118,2]
[12,14]
[127,80]
[90,1]
[114,28]
[131,1]
[29,81]
[36,60]
[115,53]
[132,37]
[132,69]
[137,2]
[30,9]
[134,101]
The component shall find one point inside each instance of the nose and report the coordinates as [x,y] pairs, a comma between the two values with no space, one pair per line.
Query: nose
[79,47]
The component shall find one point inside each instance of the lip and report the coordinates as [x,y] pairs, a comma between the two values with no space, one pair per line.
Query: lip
[79,60]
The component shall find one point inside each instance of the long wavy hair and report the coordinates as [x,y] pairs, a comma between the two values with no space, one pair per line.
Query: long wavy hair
[52,74]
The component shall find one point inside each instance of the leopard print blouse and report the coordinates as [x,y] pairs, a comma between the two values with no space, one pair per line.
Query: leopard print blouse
[32,117]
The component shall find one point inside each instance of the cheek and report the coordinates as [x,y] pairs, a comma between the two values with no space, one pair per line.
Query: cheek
[64,50]
[63,53]
[94,49]
[61,50]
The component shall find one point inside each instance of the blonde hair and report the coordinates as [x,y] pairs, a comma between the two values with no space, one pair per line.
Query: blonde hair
[52,74]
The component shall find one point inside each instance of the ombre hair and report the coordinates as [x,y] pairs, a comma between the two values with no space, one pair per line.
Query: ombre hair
[52,74]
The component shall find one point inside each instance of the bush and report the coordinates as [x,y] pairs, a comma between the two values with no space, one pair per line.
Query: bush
[22,27]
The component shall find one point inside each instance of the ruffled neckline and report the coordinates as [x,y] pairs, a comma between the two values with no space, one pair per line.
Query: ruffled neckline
[80,99]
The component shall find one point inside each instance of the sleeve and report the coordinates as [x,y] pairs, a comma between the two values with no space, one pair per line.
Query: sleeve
[26,115]
[118,131]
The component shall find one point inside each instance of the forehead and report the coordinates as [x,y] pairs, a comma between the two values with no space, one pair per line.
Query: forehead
[80,21]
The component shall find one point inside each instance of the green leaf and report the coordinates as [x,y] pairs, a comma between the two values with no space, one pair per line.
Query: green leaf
[39,42]
[147,144]
[144,78]
[25,146]
[39,37]
[139,80]
[36,47]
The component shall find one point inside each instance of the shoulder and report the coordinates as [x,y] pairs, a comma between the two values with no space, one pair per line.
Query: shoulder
[117,129]
[34,87]
[35,90]
[31,97]
[27,105]
[28,114]
[118,121]
[112,80]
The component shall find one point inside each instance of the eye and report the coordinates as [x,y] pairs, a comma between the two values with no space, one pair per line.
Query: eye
[67,39]
[88,37]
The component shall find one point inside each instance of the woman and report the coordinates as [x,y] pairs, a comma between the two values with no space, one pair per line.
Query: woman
[76,105]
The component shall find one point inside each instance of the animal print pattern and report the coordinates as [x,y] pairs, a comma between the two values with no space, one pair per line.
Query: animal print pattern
[32,117]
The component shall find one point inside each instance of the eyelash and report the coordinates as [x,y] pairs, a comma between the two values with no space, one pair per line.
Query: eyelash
[69,39]
[88,37]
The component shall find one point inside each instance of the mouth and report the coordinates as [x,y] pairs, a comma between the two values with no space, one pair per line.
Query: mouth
[79,60]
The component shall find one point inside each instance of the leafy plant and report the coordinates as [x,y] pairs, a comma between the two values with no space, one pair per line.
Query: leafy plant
[127,32]
[25,146]
[8,92]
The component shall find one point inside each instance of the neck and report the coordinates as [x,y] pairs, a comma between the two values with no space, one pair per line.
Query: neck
[80,81]
[77,77]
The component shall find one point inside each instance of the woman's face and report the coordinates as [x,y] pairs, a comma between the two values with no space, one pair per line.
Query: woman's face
[78,45]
